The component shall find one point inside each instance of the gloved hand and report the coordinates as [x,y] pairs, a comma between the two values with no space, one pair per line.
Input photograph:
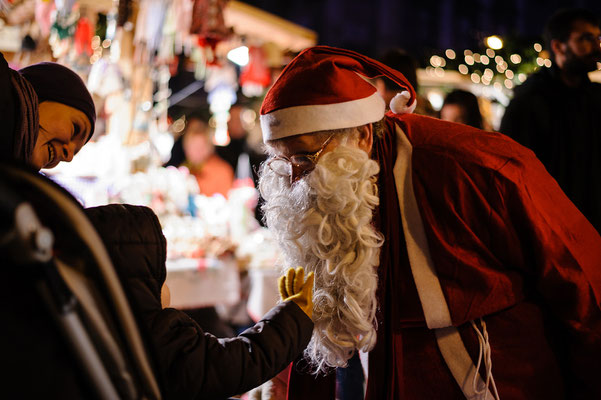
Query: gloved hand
[293,287]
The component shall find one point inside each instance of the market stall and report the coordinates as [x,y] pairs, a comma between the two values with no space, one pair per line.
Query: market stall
[128,52]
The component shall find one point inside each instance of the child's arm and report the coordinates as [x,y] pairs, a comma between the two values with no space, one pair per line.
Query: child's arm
[196,365]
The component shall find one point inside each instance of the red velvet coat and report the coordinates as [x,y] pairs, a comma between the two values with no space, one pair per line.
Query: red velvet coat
[476,228]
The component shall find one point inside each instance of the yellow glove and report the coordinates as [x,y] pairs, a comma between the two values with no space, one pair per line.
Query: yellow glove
[293,287]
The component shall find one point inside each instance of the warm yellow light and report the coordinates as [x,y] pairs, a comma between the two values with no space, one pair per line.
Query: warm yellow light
[515,58]
[538,47]
[437,61]
[475,78]
[463,69]
[450,53]
[469,60]
[178,125]
[522,77]
[239,56]
[539,61]
[547,63]
[95,42]
[508,84]
[467,52]
[509,74]
[484,60]
[490,53]
[494,42]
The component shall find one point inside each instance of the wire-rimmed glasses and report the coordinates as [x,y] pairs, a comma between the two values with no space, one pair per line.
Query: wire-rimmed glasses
[297,165]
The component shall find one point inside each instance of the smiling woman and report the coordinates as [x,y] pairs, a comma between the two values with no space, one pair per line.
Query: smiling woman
[47,114]
[63,132]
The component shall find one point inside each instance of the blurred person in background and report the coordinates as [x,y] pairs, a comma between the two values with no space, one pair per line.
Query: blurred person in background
[47,114]
[462,107]
[406,64]
[241,156]
[195,150]
[557,111]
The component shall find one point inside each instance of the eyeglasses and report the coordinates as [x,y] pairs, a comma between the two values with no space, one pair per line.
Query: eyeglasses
[300,163]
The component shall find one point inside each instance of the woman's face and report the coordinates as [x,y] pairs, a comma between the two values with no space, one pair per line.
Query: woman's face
[63,132]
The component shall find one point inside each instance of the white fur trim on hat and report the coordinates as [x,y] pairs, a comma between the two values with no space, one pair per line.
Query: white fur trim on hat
[322,117]
[398,104]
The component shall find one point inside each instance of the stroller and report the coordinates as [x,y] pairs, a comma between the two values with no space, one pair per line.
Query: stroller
[67,328]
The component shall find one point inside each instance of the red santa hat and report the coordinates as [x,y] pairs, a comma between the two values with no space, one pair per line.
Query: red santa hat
[325,88]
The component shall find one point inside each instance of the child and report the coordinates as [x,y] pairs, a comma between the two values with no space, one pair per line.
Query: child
[193,364]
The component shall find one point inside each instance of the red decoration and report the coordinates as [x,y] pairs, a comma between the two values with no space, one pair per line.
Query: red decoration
[83,37]
[257,71]
[208,22]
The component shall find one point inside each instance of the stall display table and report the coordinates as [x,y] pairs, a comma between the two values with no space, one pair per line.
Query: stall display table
[203,282]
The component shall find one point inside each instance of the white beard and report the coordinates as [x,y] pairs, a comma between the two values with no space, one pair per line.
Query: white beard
[323,223]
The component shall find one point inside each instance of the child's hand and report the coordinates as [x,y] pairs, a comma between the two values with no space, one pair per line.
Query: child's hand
[293,287]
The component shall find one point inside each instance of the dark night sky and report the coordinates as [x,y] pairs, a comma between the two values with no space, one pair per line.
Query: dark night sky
[422,27]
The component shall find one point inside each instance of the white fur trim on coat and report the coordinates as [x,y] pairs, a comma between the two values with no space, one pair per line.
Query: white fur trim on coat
[431,296]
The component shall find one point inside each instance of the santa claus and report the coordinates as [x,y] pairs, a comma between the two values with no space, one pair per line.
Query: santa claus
[445,256]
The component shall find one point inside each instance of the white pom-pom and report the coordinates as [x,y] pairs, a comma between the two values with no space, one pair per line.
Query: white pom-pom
[398,104]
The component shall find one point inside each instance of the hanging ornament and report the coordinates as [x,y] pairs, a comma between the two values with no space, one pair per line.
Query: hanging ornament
[183,21]
[124,12]
[256,75]
[43,16]
[64,7]
[65,23]
[208,23]
[83,37]
[149,25]
[221,85]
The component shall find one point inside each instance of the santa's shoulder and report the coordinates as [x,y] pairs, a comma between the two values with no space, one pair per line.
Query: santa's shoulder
[436,141]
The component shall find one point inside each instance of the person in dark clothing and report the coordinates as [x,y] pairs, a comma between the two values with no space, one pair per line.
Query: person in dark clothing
[194,364]
[557,111]
[462,106]
[47,114]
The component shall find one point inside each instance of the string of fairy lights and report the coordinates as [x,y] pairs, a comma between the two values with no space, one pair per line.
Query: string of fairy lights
[493,65]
